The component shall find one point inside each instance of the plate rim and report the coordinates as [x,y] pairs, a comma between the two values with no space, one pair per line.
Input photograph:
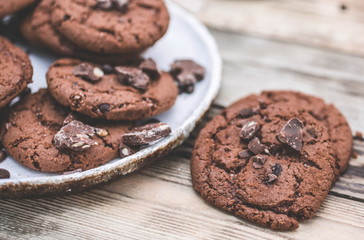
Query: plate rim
[114,169]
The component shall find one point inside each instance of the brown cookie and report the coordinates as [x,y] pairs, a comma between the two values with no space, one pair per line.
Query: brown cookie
[37,29]
[127,29]
[11,6]
[338,128]
[270,163]
[15,71]
[128,95]
[31,131]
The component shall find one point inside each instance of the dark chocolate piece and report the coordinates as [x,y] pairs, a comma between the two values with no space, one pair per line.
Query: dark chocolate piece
[255,146]
[133,77]
[245,154]
[259,160]
[246,112]
[249,130]
[146,134]
[291,134]
[88,72]
[149,67]
[104,108]
[125,151]
[187,73]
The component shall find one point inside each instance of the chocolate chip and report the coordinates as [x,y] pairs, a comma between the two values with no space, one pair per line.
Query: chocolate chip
[246,112]
[107,68]
[133,77]
[249,130]
[125,151]
[149,67]
[146,134]
[4,173]
[245,154]
[291,134]
[258,161]
[121,5]
[88,72]
[277,169]
[75,136]
[106,5]
[187,73]
[271,178]
[25,93]
[76,99]
[255,146]
[104,107]
[3,155]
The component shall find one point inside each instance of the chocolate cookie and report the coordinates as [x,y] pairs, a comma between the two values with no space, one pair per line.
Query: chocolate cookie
[338,128]
[37,29]
[126,94]
[268,162]
[15,71]
[11,6]
[41,135]
[111,26]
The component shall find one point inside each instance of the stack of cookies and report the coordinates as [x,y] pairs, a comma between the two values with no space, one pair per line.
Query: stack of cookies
[100,104]
[272,158]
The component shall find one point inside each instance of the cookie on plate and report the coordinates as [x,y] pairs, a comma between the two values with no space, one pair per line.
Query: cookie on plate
[42,135]
[120,93]
[11,6]
[16,71]
[271,163]
[339,130]
[110,26]
[37,29]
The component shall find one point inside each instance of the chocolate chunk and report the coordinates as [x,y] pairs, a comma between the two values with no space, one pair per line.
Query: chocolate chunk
[291,134]
[107,68]
[3,155]
[121,5]
[255,146]
[133,77]
[25,93]
[149,67]
[271,178]
[104,108]
[277,169]
[88,72]
[258,161]
[76,136]
[246,112]
[249,130]
[245,154]
[146,134]
[4,173]
[77,99]
[106,5]
[125,151]
[187,73]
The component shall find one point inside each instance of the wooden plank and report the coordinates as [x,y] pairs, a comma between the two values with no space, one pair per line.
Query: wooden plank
[320,23]
[253,64]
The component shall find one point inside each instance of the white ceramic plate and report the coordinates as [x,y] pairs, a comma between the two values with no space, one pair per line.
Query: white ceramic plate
[186,38]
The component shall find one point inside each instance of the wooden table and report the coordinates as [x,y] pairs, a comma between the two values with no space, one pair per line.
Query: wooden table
[315,46]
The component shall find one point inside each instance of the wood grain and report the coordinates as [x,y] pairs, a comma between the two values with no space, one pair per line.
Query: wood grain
[333,24]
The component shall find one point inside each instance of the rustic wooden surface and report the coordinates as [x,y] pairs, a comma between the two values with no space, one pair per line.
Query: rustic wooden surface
[159,202]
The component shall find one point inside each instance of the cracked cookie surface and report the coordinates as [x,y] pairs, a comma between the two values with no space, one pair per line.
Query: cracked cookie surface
[338,128]
[16,71]
[32,125]
[111,31]
[38,30]
[109,98]
[242,165]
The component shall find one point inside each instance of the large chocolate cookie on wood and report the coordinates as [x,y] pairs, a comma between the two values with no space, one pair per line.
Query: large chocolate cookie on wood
[111,26]
[126,94]
[268,162]
[41,135]
[15,71]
